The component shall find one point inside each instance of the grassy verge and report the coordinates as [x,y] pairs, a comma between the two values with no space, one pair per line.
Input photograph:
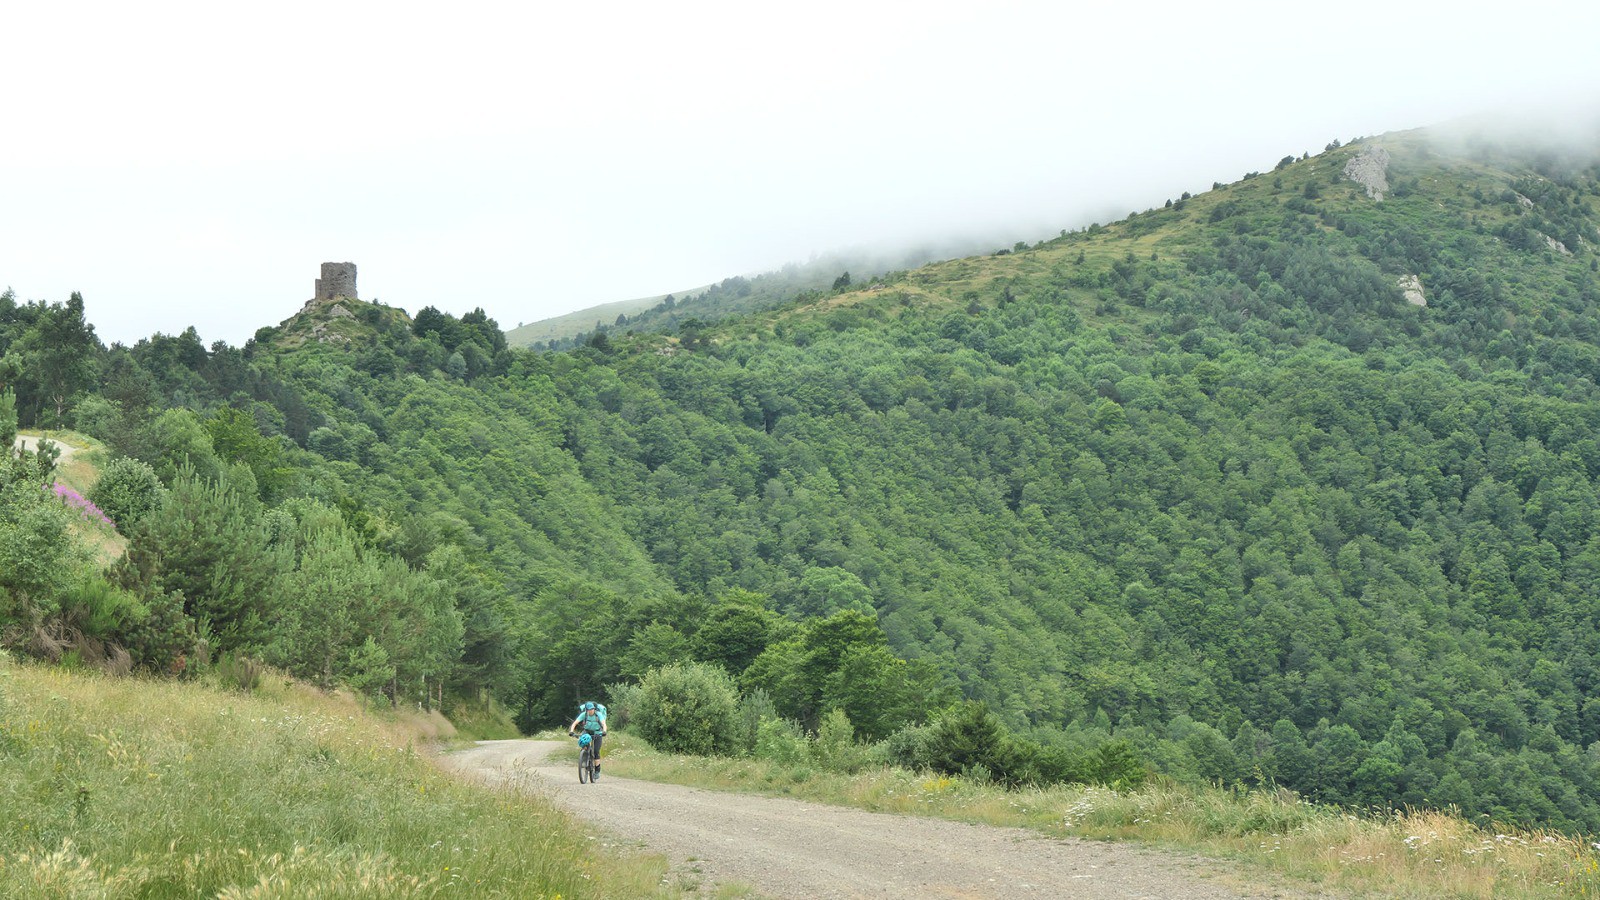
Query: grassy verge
[80,471]
[1418,854]
[136,788]
[480,721]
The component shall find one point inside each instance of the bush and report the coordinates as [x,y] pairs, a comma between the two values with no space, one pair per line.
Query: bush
[754,708]
[370,669]
[128,490]
[970,740]
[623,697]
[835,747]
[966,738]
[781,741]
[910,747]
[238,672]
[161,641]
[687,708]
[97,609]
[1117,764]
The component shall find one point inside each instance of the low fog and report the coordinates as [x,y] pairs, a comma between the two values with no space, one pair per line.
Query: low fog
[184,168]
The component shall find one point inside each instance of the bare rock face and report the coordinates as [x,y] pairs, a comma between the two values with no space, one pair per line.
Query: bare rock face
[338,282]
[1370,170]
[1411,287]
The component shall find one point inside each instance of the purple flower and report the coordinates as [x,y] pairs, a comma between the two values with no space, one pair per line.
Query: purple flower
[75,499]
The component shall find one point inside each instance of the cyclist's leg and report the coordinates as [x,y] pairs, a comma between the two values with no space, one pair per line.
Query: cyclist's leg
[598,738]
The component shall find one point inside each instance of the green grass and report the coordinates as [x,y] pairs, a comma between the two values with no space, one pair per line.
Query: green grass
[126,787]
[486,721]
[1417,854]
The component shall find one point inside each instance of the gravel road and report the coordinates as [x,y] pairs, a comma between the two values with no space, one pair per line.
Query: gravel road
[31,442]
[789,848]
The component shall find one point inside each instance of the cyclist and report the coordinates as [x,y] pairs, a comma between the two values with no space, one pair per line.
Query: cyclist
[593,719]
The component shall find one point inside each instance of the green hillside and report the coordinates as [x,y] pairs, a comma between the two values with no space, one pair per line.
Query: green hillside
[739,295]
[584,321]
[1203,480]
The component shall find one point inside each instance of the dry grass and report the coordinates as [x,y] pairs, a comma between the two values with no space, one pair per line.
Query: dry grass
[129,787]
[1414,854]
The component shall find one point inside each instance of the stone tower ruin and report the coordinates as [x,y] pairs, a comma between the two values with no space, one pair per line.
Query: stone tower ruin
[338,281]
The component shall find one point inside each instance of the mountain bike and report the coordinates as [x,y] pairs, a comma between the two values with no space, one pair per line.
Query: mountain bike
[588,765]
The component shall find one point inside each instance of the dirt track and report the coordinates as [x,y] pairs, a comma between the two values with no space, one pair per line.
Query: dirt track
[789,848]
[31,442]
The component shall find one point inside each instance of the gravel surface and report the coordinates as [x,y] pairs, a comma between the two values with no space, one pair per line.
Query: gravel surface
[31,442]
[791,848]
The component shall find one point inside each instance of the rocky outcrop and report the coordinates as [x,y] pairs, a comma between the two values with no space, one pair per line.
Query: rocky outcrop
[1371,171]
[1411,287]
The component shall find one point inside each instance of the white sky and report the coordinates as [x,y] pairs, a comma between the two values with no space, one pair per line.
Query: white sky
[194,163]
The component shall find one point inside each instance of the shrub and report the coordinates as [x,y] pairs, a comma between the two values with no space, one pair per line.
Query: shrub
[370,669]
[781,741]
[238,672]
[754,708]
[910,747]
[970,740]
[623,696]
[835,747]
[161,640]
[1117,764]
[95,608]
[967,737]
[128,489]
[687,708]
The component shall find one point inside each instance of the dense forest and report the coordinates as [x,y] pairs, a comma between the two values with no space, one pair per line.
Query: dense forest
[1204,480]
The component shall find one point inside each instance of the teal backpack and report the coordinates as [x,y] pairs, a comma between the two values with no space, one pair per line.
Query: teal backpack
[594,719]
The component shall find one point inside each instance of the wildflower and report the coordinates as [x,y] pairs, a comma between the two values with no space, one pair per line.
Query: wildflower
[74,499]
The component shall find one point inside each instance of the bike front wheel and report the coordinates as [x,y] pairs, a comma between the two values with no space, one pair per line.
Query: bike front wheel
[585,765]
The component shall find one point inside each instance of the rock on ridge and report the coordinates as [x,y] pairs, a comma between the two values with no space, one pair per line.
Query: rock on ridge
[1370,170]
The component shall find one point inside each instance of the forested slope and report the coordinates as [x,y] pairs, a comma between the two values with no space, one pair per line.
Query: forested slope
[1202,479]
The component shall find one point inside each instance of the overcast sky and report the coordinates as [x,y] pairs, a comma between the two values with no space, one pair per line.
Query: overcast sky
[194,163]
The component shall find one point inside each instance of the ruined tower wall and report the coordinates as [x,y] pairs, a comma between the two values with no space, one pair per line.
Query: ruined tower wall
[338,281]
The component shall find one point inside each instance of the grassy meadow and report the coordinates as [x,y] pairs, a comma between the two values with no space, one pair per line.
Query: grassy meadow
[128,787]
[1409,854]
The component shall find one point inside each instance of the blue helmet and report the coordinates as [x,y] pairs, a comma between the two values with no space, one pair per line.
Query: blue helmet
[587,706]
[585,740]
